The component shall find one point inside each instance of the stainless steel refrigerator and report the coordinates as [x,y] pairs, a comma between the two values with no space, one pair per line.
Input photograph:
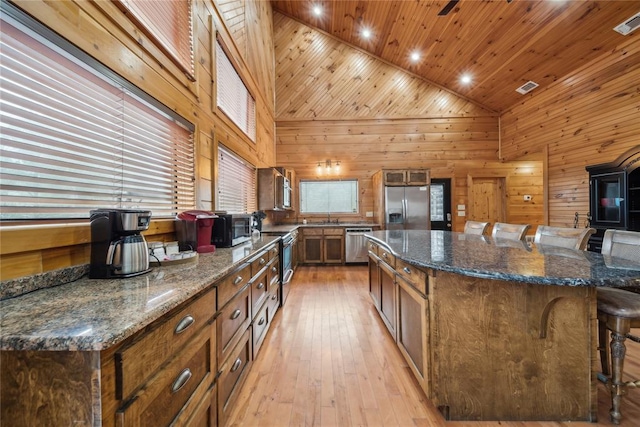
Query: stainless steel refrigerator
[407,208]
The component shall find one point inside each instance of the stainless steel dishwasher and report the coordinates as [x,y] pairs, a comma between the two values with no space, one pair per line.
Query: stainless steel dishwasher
[356,244]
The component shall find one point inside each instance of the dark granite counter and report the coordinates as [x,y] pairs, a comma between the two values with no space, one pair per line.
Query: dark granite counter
[94,314]
[480,256]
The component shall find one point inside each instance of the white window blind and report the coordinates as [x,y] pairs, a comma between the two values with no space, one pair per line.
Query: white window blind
[329,196]
[169,24]
[73,140]
[236,183]
[233,97]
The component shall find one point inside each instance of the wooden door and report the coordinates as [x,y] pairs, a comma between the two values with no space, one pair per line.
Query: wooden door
[388,298]
[313,249]
[487,199]
[334,249]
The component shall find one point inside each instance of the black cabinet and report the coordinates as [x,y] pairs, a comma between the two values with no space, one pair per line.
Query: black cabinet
[614,196]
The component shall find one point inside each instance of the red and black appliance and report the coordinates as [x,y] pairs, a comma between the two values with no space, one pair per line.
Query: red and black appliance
[194,231]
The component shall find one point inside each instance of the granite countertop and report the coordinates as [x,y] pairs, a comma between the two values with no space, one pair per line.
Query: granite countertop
[480,256]
[95,314]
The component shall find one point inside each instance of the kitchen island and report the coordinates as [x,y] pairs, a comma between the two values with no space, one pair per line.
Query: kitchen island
[494,330]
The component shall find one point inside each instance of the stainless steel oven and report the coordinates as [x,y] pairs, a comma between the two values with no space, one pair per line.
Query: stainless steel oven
[286,269]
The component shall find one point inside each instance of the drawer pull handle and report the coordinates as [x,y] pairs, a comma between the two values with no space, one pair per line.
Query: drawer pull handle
[407,270]
[262,261]
[237,280]
[182,379]
[260,285]
[236,365]
[235,314]
[274,270]
[261,321]
[384,255]
[274,297]
[184,324]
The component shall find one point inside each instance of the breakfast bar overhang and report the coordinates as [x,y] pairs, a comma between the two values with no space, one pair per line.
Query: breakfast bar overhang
[511,331]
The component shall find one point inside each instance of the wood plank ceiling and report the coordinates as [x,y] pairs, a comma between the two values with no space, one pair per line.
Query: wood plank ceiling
[500,44]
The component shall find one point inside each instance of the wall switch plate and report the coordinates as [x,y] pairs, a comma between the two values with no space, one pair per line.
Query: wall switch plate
[461,207]
[462,213]
[527,197]
[369,214]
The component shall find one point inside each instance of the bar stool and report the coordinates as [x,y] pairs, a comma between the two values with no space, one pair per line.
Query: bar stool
[618,311]
[564,237]
[502,230]
[475,227]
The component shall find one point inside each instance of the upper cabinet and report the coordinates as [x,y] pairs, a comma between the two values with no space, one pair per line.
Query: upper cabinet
[274,190]
[406,177]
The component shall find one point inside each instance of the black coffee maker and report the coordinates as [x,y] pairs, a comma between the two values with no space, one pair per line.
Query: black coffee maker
[117,247]
[256,219]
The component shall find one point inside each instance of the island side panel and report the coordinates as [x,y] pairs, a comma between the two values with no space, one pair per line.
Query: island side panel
[494,359]
[50,388]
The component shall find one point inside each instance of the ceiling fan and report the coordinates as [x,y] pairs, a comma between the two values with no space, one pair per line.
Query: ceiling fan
[452,3]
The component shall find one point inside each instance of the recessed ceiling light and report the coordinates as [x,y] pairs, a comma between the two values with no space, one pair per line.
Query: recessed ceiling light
[366,33]
[317,10]
[465,79]
[415,56]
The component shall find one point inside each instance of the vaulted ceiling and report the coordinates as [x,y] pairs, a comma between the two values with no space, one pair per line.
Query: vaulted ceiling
[501,44]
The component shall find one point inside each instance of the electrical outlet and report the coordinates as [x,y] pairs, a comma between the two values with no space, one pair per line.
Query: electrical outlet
[369,214]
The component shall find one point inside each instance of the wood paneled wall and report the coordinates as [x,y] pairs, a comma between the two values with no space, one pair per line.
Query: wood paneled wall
[103,31]
[336,102]
[588,117]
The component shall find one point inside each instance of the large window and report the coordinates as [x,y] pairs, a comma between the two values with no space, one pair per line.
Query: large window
[329,196]
[168,23]
[75,136]
[232,95]
[236,183]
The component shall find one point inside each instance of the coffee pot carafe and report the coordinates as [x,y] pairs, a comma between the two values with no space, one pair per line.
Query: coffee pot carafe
[117,247]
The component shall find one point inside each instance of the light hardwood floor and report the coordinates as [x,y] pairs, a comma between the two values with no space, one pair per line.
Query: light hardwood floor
[329,361]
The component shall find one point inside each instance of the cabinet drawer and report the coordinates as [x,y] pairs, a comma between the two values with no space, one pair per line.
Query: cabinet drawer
[163,397]
[205,413]
[316,231]
[231,376]
[260,327]
[273,301]
[372,247]
[259,263]
[273,270]
[259,292]
[333,231]
[137,361]
[273,252]
[387,256]
[232,284]
[414,275]
[232,321]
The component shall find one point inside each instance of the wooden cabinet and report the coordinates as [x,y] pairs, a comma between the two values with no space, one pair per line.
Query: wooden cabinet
[406,177]
[175,387]
[166,373]
[388,297]
[399,293]
[312,246]
[232,374]
[413,330]
[323,245]
[183,369]
[264,286]
[374,279]
[136,361]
